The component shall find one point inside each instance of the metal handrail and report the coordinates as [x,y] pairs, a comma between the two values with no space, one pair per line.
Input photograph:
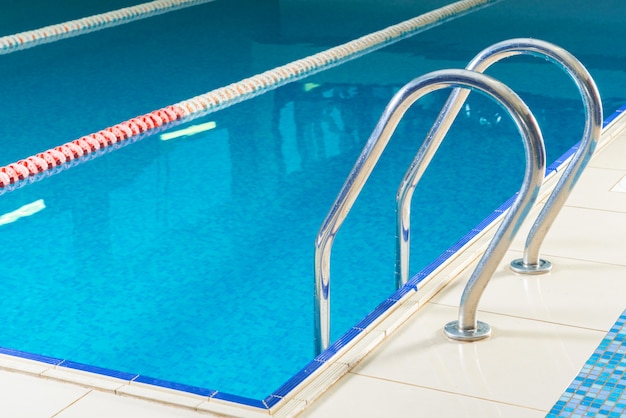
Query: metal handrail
[530,263]
[399,104]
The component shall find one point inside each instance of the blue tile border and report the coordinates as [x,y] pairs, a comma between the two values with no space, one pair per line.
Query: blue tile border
[241,400]
[599,389]
[30,356]
[98,370]
[557,165]
[614,115]
[176,386]
[297,379]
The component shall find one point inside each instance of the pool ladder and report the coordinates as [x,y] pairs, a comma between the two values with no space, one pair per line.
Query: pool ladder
[467,327]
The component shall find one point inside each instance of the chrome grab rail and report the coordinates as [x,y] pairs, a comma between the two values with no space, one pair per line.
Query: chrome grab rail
[530,263]
[399,104]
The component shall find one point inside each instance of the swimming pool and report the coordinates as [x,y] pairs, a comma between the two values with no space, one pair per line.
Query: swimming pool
[212,218]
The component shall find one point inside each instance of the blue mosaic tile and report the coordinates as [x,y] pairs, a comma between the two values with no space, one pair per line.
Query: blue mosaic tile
[599,388]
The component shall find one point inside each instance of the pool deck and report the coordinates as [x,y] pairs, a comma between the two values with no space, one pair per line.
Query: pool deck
[545,328]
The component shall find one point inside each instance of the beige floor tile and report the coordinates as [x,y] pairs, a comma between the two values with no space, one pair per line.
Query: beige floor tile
[612,156]
[584,234]
[577,293]
[594,190]
[620,186]
[526,363]
[105,405]
[34,397]
[365,397]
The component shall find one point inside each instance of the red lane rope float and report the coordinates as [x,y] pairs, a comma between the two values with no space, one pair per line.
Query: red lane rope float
[85,145]
[234,93]
[47,34]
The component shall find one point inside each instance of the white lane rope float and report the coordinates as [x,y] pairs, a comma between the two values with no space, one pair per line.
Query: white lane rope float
[52,33]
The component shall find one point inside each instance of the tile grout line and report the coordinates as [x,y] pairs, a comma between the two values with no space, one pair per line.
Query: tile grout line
[72,403]
[382,379]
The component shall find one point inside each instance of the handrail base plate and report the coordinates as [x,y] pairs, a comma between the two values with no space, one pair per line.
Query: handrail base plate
[518,266]
[452,331]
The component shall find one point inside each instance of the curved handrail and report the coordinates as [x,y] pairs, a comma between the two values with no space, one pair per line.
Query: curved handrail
[531,263]
[399,104]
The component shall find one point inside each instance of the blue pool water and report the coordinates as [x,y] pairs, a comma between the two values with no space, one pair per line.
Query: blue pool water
[190,260]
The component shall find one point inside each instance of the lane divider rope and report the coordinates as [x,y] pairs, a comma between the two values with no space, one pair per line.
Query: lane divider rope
[52,33]
[229,95]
